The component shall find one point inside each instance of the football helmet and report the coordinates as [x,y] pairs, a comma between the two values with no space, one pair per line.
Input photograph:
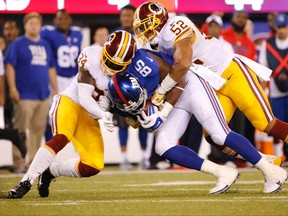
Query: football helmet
[117,53]
[149,19]
[126,93]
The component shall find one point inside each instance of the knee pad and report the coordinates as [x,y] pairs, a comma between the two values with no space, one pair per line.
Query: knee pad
[57,143]
[86,170]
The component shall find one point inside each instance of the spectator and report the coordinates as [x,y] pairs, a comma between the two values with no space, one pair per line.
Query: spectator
[100,36]
[18,139]
[29,67]
[274,54]
[271,23]
[65,41]
[2,44]
[126,21]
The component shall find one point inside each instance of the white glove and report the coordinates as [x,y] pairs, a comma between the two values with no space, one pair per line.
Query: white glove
[104,103]
[108,121]
[153,121]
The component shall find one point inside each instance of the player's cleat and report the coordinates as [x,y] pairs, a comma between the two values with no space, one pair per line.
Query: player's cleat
[273,159]
[274,179]
[20,190]
[44,183]
[226,176]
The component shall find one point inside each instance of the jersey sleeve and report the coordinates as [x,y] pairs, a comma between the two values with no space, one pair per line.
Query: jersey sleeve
[178,29]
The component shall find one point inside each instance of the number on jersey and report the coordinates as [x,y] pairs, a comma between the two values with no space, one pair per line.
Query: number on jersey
[67,56]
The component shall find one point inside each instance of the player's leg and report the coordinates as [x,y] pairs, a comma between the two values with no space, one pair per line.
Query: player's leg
[221,134]
[249,97]
[123,138]
[88,142]
[64,120]
[166,145]
[143,135]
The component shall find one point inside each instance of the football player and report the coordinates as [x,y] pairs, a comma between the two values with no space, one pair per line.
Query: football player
[74,115]
[179,38]
[199,99]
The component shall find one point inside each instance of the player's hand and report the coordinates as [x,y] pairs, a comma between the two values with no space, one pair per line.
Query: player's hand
[104,103]
[157,98]
[108,121]
[153,120]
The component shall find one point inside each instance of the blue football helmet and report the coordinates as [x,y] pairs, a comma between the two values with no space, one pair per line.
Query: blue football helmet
[126,93]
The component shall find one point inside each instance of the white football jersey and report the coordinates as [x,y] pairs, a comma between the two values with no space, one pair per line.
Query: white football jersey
[89,59]
[207,51]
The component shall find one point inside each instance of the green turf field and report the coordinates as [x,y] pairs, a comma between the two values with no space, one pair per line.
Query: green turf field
[178,192]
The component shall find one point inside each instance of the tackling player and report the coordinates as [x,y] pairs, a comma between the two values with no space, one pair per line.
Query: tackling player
[74,115]
[180,38]
[198,98]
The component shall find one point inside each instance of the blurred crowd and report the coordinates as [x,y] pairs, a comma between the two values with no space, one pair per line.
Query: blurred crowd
[26,87]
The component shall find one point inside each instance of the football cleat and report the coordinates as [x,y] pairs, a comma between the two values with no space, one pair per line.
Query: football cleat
[274,179]
[273,159]
[44,183]
[20,190]
[226,176]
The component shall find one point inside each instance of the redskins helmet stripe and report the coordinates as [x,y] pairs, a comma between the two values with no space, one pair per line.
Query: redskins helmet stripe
[125,42]
[119,91]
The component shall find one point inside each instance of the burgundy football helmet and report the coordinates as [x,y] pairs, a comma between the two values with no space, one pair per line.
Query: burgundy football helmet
[149,19]
[117,53]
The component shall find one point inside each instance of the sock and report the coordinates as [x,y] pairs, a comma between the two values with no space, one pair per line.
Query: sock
[42,160]
[209,167]
[143,137]
[124,156]
[123,136]
[66,168]
[184,156]
[243,147]
[263,165]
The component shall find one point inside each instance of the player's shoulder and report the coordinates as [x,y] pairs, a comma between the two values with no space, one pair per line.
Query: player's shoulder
[76,30]
[91,50]
[48,28]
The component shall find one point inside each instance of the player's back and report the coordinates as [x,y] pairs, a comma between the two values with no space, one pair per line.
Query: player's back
[207,51]
[146,69]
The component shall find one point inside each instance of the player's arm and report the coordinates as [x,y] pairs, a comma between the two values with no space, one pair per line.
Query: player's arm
[182,62]
[174,94]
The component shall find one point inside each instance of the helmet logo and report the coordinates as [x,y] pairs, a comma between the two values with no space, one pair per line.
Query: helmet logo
[155,8]
[134,82]
[110,39]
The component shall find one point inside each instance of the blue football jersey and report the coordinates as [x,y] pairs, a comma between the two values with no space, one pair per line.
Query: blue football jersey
[146,69]
[65,48]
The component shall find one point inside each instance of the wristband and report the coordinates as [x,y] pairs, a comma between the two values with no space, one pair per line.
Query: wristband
[166,85]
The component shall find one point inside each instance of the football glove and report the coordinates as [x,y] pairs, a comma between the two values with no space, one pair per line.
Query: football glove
[153,120]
